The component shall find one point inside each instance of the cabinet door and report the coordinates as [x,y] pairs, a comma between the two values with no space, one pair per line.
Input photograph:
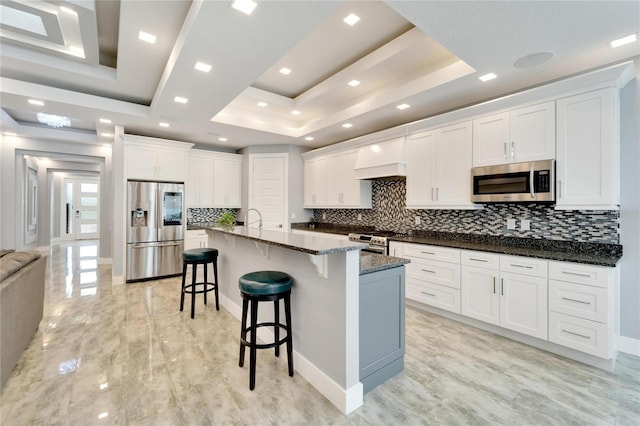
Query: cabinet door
[199,183]
[523,304]
[354,192]
[226,182]
[587,152]
[453,165]
[421,170]
[490,140]
[395,249]
[171,165]
[141,162]
[479,293]
[315,179]
[336,180]
[533,133]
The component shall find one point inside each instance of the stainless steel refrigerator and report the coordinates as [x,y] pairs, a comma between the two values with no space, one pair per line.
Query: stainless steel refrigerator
[155,229]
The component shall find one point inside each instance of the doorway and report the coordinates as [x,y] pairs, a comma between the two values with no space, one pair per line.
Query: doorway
[268,189]
[80,208]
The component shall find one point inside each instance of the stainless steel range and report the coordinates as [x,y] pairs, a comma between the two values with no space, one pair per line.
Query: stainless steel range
[378,241]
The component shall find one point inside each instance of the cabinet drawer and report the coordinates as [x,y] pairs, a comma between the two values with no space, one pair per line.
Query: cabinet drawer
[580,334]
[524,265]
[578,300]
[598,276]
[442,254]
[480,259]
[442,273]
[196,233]
[433,294]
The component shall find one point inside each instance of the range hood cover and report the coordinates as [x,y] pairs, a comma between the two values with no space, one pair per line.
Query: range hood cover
[382,159]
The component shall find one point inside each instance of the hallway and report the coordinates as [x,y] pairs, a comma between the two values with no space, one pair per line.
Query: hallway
[125,355]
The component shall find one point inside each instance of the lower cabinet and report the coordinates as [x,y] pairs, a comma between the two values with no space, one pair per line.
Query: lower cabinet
[195,239]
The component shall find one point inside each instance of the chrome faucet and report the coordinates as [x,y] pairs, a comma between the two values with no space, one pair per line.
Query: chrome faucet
[246,216]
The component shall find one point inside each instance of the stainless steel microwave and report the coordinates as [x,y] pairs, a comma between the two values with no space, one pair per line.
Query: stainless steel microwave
[517,182]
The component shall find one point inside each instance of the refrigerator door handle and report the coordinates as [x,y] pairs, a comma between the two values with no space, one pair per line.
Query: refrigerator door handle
[156,245]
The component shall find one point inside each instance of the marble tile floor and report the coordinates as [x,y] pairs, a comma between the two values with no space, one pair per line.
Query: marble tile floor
[125,355]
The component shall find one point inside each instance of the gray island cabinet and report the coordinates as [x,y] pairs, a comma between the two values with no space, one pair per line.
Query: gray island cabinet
[332,306]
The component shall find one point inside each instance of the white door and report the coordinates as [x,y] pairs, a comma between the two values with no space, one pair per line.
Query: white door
[268,189]
[80,212]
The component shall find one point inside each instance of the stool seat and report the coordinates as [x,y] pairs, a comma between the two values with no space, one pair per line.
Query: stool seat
[200,254]
[265,283]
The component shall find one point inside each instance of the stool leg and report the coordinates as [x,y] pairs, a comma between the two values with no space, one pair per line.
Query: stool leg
[287,314]
[194,267]
[205,283]
[243,332]
[276,328]
[215,277]
[184,274]
[252,346]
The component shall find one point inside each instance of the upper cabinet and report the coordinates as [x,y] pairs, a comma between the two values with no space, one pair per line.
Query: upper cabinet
[438,164]
[155,159]
[213,179]
[329,182]
[588,151]
[523,134]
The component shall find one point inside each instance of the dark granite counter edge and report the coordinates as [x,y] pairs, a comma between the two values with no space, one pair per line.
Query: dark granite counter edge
[540,253]
[370,263]
[284,245]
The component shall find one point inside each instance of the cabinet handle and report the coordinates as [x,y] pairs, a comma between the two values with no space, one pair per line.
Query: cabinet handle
[432,199]
[513,149]
[576,334]
[505,151]
[559,189]
[502,286]
[428,294]
[575,300]
[521,266]
[437,194]
[494,285]
[427,270]
[577,274]
[478,260]
[427,252]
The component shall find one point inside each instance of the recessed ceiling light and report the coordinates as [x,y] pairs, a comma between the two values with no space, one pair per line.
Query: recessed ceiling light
[295,112]
[180,100]
[347,125]
[533,59]
[163,124]
[308,138]
[352,19]
[106,135]
[285,71]
[105,121]
[201,66]
[403,106]
[244,6]
[353,83]
[36,102]
[262,104]
[149,38]
[223,139]
[624,40]
[487,77]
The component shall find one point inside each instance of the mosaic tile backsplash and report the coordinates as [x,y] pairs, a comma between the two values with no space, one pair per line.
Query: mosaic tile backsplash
[389,213]
[207,215]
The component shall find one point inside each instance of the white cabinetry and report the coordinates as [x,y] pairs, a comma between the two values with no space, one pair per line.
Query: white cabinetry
[155,159]
[329,182]
[213,179]
[315,182]
[438,164]
[195,239]
[523,134]
[508,291]
[433,276]
[582,302]
[343,189]
[588,153]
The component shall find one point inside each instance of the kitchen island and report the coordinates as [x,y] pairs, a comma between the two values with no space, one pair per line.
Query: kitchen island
[325,303]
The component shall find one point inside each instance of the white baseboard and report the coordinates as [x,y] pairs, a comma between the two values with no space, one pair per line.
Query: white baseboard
[346,400]
[629,346]
[105,261]
[117,280]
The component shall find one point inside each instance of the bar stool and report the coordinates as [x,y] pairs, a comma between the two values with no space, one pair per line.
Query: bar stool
[195,257]
[265,286]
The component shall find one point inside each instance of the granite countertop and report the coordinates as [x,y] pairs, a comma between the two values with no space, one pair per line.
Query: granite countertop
[565,251]
[305,243]
[332,228]
[371,262]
